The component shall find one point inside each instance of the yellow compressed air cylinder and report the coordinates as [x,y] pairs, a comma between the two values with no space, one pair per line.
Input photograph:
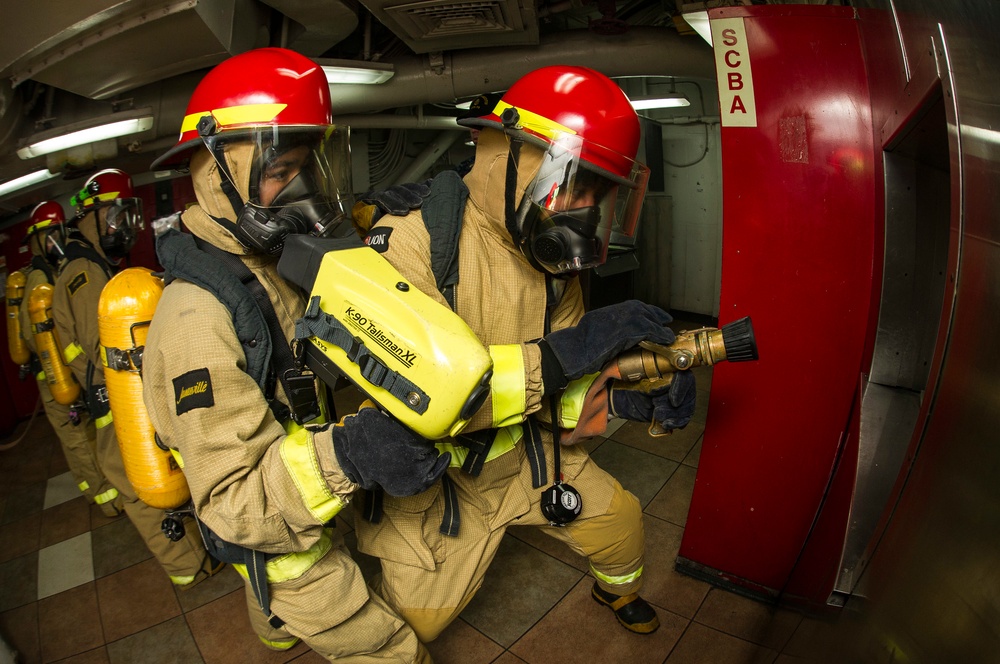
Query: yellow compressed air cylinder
[19,351]
[62,384]
[124,312]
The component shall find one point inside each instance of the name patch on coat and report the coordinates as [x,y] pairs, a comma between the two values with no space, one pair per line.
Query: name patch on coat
[378,239]
[193,390]
[78,282]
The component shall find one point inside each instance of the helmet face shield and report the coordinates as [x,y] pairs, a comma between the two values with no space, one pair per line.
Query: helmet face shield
[574,208]
[299,182]
[123,219]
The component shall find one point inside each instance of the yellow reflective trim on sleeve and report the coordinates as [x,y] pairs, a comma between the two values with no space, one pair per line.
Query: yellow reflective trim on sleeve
[299,455]
[106,497]
[104,421]
[83,486]
[293,565]
[620,580]
[72,351]
[504,441]
[507,384]
[571,401]
[177,457]
[234,115]
[40,376]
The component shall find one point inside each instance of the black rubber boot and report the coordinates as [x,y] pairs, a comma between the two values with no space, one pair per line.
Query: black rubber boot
[632,611]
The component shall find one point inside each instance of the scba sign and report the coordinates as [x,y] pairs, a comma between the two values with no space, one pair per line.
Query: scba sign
[732,66]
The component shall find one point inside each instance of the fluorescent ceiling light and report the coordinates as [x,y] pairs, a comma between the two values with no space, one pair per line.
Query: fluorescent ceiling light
[89,131]
[26,181]
[672,100]
[356,71]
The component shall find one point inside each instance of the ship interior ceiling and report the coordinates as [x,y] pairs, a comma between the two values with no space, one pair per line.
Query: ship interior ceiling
[831,171]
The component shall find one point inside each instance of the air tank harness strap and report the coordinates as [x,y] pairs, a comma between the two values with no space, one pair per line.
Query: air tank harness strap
[300,389]
[255,562]
[479,443]
[97,400]
[319,324]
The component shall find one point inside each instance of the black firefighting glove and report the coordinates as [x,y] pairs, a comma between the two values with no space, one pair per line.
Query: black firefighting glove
[377,452]
[671,407]
[398,200]
[600,336]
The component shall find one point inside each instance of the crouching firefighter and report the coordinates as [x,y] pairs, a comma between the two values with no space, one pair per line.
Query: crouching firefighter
[108,218]
[554,173]
[225,390]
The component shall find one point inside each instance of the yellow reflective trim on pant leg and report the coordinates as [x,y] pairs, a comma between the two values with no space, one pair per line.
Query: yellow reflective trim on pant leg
[507,385]
[279,645]
[619,580]
[302,465]
[292,565]
[83,486]
[106,497]
[72,351]
[571,401]
[181,580]
[104,421]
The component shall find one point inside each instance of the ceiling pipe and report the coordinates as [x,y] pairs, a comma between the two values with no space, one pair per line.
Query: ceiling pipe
[642,51]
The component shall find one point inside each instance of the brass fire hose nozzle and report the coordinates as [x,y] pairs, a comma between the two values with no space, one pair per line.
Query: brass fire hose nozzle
[650,366]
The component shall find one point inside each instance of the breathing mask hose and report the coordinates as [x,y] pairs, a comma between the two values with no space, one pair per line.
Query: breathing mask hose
[651,366]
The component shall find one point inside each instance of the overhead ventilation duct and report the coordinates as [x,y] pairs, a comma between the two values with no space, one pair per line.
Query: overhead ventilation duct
[642,51]
[427,26]
[103,48]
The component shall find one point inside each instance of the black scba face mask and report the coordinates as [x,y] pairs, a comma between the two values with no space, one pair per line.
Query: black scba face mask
[118,244]
[560,242]
[298,208]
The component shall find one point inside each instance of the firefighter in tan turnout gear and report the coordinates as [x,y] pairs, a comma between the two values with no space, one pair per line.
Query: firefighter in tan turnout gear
[267,478]
[108,218]
[554,175]
[76,434]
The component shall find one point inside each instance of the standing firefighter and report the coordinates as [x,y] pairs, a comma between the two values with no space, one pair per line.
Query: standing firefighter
[108,218]
[221,384]
[76,433]
[554,176]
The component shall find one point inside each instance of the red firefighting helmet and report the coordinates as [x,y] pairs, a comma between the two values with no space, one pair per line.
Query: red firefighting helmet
[562,100]
[265,86]
[103,187]
[588,190]
[45,214]
[111,190]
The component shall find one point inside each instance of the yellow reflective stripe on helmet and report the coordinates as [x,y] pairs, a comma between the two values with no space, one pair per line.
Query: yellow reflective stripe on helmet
[617,580]
[72,351]
[106,497]
[97,198]
[504,441]
[507,384]
[292,565]
[83,486]
[234,115]
[104,420]
[534,122]
[571,402]
[39,226]
[299,455]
